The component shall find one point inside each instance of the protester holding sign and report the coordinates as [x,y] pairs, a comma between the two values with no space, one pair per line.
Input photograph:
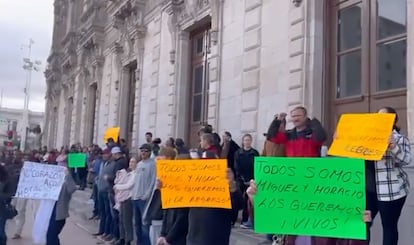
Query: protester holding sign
[304,140]
[174,225]
[391,183]
[153,214]
[60,211]
[213,225]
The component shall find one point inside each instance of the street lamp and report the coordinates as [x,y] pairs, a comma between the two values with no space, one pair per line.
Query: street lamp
[28,66]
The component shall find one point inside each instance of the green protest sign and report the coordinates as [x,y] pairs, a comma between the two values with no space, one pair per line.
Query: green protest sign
[322,197]
[77,160]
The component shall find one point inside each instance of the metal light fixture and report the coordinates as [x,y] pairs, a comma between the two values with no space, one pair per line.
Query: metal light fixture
[296,2]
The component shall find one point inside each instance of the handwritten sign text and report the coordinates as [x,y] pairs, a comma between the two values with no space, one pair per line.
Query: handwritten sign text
[310,196]
[194,183]
[40,181]
[362,136]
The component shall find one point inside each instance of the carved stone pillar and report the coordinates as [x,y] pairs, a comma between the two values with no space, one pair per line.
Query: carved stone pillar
[182,84]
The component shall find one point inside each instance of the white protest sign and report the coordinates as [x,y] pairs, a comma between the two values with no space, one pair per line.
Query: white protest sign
[40,181]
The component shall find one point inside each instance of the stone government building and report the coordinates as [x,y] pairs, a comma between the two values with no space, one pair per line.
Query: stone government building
[166,66]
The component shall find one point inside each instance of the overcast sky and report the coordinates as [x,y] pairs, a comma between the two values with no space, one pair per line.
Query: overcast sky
[21,20]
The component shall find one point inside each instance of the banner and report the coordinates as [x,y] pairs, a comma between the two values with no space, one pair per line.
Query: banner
[112,133]
[362,136]
[322,197]
[194,183]
[40,181]
[76,160]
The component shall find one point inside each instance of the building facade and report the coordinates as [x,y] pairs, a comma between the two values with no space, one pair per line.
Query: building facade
[168,66]
[12,128]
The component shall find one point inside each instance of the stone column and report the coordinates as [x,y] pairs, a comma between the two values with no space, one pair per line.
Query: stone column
[183,82]
[214,61]
[123,95]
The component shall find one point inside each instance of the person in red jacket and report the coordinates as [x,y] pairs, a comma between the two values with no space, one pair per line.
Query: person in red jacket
[307,137]
[305,140]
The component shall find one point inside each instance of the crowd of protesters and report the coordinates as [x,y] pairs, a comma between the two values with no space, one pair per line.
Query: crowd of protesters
[127,197]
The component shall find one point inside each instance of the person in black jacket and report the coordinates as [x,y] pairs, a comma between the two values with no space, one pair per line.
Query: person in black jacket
[244,165]
[229,148]
[6,192]
[119,163]
[174,225]
[153,214]
[207,226]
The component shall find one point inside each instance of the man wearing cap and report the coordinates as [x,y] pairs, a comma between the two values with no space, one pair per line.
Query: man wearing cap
[144,184]
[108,224]
[104,232]
[119,162]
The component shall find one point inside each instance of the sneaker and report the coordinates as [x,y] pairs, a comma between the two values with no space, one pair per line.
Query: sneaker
[16,237]
[246,225]
[108,238]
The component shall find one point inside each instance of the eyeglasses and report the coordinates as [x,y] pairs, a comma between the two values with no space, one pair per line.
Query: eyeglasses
[146,151]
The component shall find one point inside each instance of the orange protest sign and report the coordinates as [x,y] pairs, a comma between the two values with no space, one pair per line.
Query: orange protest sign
[111,133]
[362,136]
[194,183]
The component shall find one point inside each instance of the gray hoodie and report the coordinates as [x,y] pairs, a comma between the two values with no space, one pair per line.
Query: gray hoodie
[144,180]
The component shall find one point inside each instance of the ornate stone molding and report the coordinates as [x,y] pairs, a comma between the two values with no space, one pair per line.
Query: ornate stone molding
[128,20]
[93,7]
[296,2]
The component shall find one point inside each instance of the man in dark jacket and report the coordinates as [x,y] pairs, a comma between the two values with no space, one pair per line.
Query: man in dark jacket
[228,149]
[207,226]
[119,162]
[103,186]
[244,165]
[174,227]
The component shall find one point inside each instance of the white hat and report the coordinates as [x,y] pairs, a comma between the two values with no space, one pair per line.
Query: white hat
[115,150]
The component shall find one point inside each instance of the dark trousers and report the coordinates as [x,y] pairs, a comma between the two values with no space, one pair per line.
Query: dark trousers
[105,213]
[82,174]
[390,214]
[246,213]
[55,227]
[3,237]
[74,173]
[141,230]
[115,217]
[126,228]
[95,200]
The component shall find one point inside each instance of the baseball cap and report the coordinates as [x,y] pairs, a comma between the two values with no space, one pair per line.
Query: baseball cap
[116,150]
[146,147]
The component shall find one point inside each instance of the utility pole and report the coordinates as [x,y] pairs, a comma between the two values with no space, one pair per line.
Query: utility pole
[28,66]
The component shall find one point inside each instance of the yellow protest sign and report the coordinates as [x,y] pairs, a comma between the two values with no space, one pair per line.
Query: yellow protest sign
[112,133]
[362,136]
[194,183]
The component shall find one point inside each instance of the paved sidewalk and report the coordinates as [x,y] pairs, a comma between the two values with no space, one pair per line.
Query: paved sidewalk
[71,234]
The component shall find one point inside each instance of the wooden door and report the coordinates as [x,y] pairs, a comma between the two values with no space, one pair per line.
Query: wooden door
[367,57]
[200,45]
